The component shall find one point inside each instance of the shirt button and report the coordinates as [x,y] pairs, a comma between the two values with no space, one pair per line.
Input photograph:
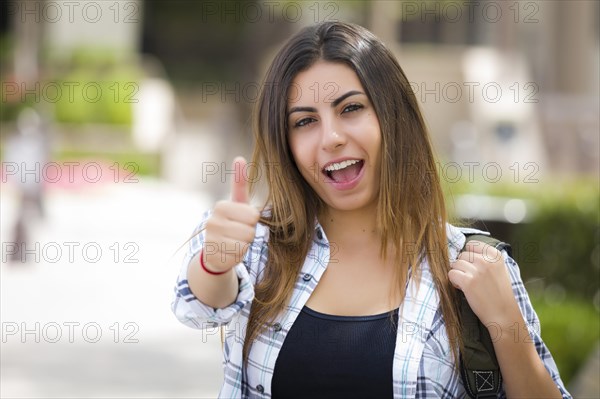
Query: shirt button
[260,388]
[306,277]
[277,328]
[319,234]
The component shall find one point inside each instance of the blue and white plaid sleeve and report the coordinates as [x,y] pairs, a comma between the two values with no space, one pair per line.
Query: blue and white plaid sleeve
[193,313]
[533,324]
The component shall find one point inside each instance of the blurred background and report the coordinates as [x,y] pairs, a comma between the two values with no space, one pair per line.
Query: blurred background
[119,120]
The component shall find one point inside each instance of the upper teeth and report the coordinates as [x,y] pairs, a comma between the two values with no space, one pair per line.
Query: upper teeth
[341,165]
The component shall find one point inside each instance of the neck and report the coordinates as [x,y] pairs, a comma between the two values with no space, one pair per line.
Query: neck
[349,228]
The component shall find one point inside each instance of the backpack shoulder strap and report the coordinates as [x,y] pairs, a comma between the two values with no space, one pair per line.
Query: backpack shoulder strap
[489,240]
[479,367]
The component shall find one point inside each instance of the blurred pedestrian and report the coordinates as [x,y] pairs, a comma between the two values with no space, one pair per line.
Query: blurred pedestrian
[26,154]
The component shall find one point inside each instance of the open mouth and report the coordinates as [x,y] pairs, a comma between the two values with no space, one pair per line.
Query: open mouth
[343,171]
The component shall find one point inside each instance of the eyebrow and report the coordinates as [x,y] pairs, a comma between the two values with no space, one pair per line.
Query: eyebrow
[334,103]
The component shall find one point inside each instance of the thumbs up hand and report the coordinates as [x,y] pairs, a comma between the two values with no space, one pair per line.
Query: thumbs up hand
[232,225]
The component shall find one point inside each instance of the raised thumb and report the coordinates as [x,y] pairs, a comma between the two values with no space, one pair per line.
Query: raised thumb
[239,186]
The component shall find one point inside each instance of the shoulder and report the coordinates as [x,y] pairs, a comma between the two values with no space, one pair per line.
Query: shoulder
[457,237]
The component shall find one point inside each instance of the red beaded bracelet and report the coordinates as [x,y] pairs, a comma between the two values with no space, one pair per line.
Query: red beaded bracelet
[206,269]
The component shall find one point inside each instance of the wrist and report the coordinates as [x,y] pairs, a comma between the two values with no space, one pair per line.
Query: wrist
[206,269]
[504,327]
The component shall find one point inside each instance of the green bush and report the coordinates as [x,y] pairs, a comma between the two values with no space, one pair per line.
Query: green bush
[100,97]
[93,86]
[135,163]
[563,242]
[571,329]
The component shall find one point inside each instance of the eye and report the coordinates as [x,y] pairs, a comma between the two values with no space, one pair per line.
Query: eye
[351,108]
[304,122]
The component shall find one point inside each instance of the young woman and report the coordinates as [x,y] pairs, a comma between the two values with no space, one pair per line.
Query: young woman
[344,285]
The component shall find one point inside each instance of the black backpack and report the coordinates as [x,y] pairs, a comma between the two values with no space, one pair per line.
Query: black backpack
[479,367]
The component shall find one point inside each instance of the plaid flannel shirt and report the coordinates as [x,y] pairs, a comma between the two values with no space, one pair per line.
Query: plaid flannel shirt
[423,366]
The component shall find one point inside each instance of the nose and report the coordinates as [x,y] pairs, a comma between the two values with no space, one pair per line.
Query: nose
[332,137]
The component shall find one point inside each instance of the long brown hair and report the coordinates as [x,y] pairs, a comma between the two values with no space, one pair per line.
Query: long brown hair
[411,212]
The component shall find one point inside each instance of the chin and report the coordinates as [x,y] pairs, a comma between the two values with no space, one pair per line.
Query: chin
[351,204]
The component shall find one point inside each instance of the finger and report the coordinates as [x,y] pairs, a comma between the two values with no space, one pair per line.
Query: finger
[470,257]
[239,212]
[239,231]
[239,189]
[487,252]
[464,266]
[457,278]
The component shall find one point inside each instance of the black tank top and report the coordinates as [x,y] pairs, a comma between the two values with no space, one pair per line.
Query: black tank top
[328,356]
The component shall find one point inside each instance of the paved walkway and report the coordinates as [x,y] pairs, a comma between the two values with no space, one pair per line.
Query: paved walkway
[90,317]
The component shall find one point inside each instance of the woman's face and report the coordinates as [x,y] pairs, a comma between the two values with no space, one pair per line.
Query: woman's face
[334,136]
